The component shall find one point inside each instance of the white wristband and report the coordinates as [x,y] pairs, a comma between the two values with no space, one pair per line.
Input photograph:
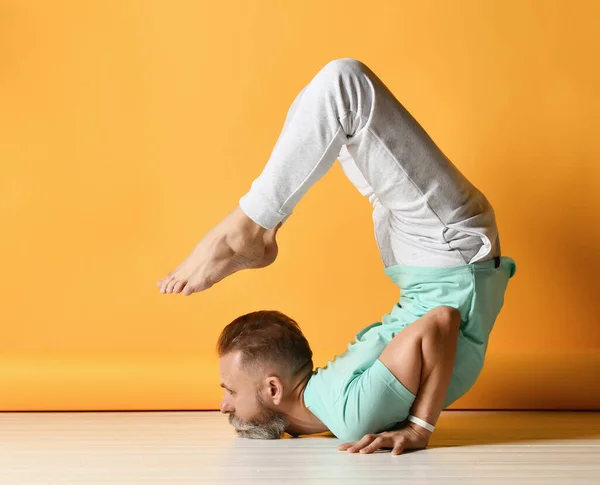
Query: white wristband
[420,422]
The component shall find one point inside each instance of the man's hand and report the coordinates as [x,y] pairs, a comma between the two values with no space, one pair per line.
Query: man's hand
[409,437]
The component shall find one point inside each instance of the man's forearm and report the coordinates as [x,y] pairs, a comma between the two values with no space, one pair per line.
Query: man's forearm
[438,353]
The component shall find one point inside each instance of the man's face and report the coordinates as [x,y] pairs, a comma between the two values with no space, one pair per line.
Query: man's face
[248,412]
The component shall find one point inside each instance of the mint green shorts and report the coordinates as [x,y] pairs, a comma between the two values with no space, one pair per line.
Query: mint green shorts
[356,394]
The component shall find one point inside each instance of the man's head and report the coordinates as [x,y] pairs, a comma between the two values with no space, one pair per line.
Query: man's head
[263,356]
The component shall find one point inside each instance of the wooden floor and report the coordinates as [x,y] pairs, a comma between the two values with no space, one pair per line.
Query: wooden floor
[201,447]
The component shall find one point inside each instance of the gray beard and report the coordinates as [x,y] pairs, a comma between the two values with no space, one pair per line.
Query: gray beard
[267,425]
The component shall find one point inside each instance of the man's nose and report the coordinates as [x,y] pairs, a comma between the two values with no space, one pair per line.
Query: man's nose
[225,408]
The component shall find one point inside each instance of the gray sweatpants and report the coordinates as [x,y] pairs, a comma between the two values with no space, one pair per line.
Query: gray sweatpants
[425,211]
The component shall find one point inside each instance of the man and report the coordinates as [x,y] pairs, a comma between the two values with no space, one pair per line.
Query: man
[438,240]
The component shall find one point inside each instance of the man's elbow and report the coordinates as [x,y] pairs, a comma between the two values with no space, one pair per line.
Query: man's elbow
[448,318]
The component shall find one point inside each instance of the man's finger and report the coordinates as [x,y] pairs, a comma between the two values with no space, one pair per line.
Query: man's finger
[345,446]
[366,439]
[399,447]
[374,446]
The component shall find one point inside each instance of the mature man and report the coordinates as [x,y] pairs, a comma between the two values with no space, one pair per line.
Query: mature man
[438,240]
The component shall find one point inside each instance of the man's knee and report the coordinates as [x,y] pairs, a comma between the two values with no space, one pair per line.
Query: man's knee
[342,66]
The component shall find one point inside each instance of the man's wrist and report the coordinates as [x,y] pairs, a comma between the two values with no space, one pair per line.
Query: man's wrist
[421,423]
[418,430]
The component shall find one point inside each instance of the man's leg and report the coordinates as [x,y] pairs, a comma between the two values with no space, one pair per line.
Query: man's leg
[344,104]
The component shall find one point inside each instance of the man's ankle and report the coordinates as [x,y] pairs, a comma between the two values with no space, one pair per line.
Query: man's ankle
[247,226]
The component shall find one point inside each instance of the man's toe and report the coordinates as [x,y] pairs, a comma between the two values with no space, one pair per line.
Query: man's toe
[164,283]
[178,286]
[170,285]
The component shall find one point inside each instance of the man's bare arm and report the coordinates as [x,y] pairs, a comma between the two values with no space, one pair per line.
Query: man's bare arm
[421,357]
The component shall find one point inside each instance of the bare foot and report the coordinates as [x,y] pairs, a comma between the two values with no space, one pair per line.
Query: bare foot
[234,244]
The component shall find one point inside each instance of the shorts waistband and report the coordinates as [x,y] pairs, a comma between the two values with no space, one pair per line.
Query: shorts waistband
[494,263]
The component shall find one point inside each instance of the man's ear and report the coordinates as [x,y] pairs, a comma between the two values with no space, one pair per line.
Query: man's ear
[275,389]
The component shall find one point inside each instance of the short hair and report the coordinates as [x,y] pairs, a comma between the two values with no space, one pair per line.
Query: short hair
[267,337]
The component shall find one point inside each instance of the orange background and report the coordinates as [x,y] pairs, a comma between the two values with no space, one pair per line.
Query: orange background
[129,129]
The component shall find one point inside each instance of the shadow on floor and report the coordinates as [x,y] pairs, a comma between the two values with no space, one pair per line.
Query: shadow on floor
[464,428]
